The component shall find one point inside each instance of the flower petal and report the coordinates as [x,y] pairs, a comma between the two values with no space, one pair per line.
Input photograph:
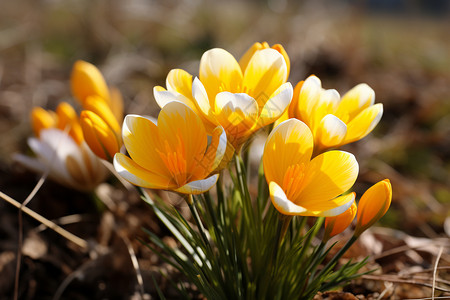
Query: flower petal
[276,105]
[163,97]
[355,100]
[265,73]
[327,176]
[282,203]
[184,131]
[364,123]
[341,203]
[180,81]
[308,98]
[139,176]
[141,139]
[86,80]
[331,131]
[199,186]
[288,144]
[219,71]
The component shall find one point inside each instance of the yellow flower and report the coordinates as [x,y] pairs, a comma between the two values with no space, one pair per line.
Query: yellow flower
[337,224]
[373,204]
[60,148]
[172,155]
[334,121]
[103,109]
[100,127]
[240,100]
[299,185]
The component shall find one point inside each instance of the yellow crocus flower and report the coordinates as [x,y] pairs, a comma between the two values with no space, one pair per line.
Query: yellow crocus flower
[172,155]
[334,121]
[241,100]
[373,204]
[103,109]
[86,80]
[337,224]
[299,185]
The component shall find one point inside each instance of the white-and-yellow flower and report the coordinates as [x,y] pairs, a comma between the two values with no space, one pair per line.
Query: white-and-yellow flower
[61,150]
[303,186]
[173,154]
[334,121]
[240,97]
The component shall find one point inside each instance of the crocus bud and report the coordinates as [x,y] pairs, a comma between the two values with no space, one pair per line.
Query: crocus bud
[373,205]
[337,224]
[86,80]
[99,136]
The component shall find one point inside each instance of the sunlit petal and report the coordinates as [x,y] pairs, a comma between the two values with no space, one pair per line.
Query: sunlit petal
[199,186]
[282,203]
[219,71]
[364,123]
[331,131]
[288,144]
[327,176]
[276,105]
[139,176]
[265,73]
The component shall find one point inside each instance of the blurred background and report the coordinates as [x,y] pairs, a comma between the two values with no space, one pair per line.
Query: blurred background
[400,48]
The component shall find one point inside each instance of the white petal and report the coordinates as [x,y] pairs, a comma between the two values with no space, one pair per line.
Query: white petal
[282,203]
[331,131]
[340,209]
[199,186]
[164,97]
[221,148]
[277,104]
[200,95]
[236,102]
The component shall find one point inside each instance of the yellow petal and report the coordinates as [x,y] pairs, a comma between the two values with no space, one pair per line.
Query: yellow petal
[219,71]
[373,204]
[355,100]
[198,186]
[98,135]
[327,176]
[86,80]
[288,144]
[116,103]
[141,139]
[180,81]
[68,120]
[265,73]
[341,204]
[245,59]
[163,96]
[184,132]
[100,108]
[283,52]
[337,224]
[330,132]
[140,176]
[326,104]
[276,105]
[42,119]
[308,98]
[364,123]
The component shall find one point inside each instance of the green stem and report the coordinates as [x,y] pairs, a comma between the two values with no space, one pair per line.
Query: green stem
[198,222]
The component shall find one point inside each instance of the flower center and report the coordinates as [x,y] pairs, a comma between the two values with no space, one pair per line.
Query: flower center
[175,161]
[292,181]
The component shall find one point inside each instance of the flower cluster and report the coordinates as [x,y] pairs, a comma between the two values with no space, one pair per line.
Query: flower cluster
[203,124]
